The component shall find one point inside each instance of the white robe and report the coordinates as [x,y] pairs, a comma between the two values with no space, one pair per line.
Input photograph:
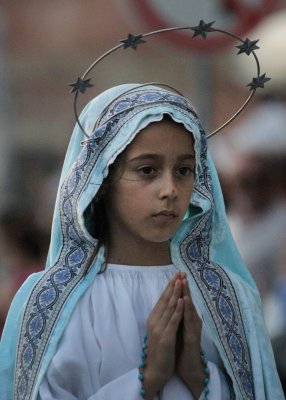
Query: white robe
[99,352]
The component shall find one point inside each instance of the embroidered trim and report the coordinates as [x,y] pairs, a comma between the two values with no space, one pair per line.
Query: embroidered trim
[51,292]
[53,289]
[217,291]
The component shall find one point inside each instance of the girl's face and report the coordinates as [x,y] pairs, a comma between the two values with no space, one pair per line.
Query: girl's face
[152,185]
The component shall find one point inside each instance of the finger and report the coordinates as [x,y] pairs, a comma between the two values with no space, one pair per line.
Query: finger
[155,318]
[166,295]
[175,317]
[186,288]
[192,327]
[177,293]
[183,275]
[192,322]
[170,307]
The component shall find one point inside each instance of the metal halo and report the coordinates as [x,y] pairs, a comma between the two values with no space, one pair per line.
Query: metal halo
[203,29]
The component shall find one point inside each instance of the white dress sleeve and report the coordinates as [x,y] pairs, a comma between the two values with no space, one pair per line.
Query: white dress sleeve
[71,377]
[125,387]
[74,371]
[99,352]
[128,387]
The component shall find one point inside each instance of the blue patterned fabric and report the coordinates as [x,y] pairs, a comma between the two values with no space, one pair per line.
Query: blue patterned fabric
[203,247]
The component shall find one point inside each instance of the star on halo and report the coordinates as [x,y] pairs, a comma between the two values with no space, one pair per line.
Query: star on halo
[80,85]
[132,41]
[248,46]
[202,29]
[258,82]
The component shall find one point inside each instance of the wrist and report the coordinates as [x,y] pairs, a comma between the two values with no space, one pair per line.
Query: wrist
[151,384]
[196,378]
[195,383]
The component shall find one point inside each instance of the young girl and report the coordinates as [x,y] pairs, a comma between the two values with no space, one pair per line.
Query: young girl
[144,294]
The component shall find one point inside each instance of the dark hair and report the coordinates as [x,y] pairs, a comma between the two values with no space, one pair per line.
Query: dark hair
[95,214]
[96,224]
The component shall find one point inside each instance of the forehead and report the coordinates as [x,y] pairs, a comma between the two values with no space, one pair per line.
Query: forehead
[165,135]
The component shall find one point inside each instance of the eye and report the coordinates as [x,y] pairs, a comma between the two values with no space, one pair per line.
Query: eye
[147,171]
[185,171]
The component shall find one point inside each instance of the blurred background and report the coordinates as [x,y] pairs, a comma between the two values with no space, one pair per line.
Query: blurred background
[45,45]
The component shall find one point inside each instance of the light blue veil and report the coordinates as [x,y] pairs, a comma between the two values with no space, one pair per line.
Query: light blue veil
[221,285]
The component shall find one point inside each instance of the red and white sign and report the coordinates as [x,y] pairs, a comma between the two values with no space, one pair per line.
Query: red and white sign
[236,16]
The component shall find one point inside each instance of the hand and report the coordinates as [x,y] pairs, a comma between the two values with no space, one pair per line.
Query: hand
[188,362]
[162,326]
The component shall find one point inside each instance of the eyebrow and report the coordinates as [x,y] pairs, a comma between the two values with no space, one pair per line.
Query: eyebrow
[152,156]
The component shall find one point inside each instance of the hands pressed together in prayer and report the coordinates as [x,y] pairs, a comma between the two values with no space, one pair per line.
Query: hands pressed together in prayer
[174,337]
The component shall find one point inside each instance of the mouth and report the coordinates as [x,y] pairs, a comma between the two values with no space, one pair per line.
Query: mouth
[166,215]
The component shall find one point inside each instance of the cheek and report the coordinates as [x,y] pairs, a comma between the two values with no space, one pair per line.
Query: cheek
[128,198]
[186,190]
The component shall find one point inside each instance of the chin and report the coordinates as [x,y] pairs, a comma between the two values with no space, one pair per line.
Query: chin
[161,238]
[159,235]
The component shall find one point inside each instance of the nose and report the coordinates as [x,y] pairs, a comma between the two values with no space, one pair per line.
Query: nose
[168,188]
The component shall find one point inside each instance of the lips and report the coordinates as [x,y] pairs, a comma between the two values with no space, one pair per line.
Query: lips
[165,215]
